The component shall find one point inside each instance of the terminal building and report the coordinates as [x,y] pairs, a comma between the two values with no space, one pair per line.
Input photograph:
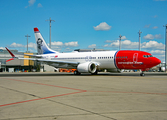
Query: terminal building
[16,65]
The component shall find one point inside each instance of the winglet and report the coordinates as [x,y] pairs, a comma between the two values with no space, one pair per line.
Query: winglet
[9,59]
[10,52]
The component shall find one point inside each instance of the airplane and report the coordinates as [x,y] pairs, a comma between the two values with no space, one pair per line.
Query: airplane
[92,62]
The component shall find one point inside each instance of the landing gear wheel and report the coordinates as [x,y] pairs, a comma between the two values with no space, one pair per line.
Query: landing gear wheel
[76,73]
[142,74]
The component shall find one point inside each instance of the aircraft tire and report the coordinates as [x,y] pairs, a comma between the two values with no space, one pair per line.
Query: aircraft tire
[142,74]
[76,73]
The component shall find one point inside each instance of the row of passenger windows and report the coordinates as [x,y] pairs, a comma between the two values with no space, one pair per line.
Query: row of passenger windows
[105,57]
[94,57]
[122,57]
[146,56]
[87,58]
[79,58]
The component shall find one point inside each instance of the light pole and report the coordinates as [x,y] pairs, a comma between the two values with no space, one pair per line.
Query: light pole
[50,30]
[139,39]
[165,46]
[27,41]
[120,42]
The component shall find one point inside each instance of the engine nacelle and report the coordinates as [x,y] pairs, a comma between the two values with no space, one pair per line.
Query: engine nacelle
[87,67]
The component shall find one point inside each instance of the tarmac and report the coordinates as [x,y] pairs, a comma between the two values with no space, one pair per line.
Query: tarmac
[64,96]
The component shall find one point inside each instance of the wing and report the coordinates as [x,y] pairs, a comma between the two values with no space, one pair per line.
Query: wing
[55,63]
[50,61]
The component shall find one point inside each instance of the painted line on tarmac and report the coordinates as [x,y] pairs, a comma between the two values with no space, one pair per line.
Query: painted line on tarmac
[45,84]
[130,92]
[40,98]
[79,91]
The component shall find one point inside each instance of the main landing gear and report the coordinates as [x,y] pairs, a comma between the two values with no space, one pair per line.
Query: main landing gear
[76,73]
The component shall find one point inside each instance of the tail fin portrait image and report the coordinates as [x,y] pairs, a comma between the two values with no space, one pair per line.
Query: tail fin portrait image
[42,47]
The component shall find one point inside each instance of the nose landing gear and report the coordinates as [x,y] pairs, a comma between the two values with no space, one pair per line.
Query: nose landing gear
[142,74]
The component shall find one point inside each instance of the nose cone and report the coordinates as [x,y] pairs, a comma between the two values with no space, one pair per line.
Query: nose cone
[156,61]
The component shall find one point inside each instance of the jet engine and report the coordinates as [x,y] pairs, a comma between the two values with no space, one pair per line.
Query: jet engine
[87,67]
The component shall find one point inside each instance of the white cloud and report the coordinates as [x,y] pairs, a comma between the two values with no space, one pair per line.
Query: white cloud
[148,37]
[31,2]
[114,43]
[71,44]
[57,43]
[153,45]
[56,48]
[40,5]
[60,46]
[157,52]
[158,36]
[151,37]
[102,26]
[155,27]
[108,41]
[147,26]
[123,37]
[32,45]
[111,41]
[125,44]
[92,46]
[2,48]
[68,50]
[15,45]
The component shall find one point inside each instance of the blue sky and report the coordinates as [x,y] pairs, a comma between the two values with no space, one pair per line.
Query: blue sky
[85,24]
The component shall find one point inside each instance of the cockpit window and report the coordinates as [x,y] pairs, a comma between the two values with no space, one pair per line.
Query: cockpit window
[146,56]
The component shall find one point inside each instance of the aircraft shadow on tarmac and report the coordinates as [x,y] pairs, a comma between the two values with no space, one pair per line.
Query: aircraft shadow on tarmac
[86,74]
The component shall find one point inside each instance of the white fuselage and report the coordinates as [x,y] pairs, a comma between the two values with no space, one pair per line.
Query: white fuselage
[104,59]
